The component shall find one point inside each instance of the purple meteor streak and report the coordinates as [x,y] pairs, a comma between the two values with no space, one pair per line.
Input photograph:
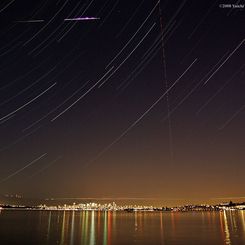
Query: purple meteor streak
[81,18]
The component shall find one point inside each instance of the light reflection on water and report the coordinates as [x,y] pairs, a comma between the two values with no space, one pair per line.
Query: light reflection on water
[108,228]
[92,230]
[227,232]
[72,228]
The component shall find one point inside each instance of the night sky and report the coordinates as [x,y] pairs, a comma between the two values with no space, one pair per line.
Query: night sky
[122,99]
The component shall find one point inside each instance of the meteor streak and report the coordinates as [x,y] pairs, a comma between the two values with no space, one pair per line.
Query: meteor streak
[29,21]
[82,18]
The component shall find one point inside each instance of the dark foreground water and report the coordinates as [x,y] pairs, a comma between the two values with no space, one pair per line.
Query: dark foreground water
[88,227]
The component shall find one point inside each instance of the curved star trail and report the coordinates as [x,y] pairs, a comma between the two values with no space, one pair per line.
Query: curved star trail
[21,169]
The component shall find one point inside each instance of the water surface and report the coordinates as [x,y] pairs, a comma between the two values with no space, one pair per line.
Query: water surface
[107,228]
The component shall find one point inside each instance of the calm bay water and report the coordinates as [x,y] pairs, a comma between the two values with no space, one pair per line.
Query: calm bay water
[107,228]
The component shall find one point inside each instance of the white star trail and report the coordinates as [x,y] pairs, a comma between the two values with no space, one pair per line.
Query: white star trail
[142,116]
[82,96]
[29,102]
[225,124]
[76,101]
[28,87]
[46,167]
[20,139]
[21,169]
[37,33]
[237,47]
[130,19]
[6,6]
[53,33]
[219,90]
[147,57]
[203,18]
[56,108]
[109,14]
[6,119]
[128,56]
[137,31]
